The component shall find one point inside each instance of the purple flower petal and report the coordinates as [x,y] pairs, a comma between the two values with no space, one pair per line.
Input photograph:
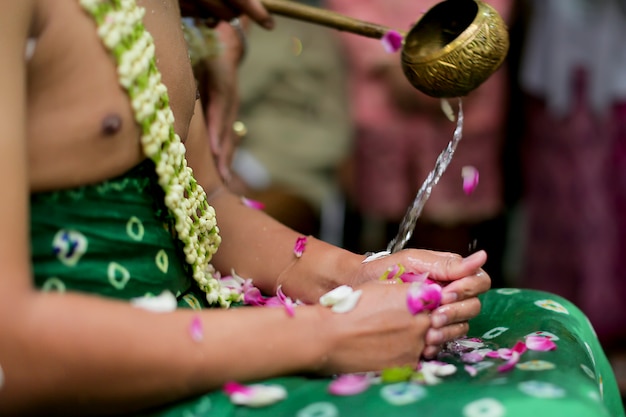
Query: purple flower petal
[392,41]
[540,343]
[470,179]
[472,357]
[195,329]
[257,205]
[349,384]
[470,370]
[298,248]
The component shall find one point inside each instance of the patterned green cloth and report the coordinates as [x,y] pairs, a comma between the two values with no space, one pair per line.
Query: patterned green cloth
[113,239]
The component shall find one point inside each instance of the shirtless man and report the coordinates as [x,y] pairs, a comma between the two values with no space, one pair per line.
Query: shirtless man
[68,123]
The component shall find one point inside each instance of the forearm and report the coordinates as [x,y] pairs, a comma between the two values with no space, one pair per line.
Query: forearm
[257,246]
[321,267]
[57,354]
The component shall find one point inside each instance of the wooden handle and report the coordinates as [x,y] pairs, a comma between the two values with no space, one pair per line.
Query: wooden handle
[324,17]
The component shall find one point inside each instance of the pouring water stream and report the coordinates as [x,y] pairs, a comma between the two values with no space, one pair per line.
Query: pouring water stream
[407,225]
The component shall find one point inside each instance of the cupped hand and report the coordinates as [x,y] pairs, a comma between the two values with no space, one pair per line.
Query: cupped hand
[378,333]
[216,10]
[462,280]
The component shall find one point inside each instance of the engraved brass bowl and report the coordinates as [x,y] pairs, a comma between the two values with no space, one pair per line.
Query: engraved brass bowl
[454,48]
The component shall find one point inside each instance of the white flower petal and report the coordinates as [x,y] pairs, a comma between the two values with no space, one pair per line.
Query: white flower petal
[348,303]
[334,296]
[164,303]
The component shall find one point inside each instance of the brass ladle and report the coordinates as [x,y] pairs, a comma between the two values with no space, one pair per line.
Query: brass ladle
[451,50]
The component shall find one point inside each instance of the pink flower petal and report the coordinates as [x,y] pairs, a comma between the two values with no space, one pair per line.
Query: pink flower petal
[232,387]
[349,384]
[257,205]
[470,179]
[195,329]
[432,296]
[392,41]
[298,248]
[287,302]
[510,364]
[414,300]
[422,297]
[253,297]
[414,277]
[540,343]
[257,395]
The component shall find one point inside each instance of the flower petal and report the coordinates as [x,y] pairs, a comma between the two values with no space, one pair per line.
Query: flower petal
[510,363]
[257,205]
[298,248]
[195,329]
[446,107]
[392,41]
[256,395]
[472,357]
[287,302]
[470,179]
[349,384]
[163,303]
[414,299]
[348,303]
[335,295]
[471,370]
[540,343]
[414,277]
[253,297]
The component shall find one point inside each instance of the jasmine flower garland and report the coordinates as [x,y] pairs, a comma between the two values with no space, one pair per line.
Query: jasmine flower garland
[121,29]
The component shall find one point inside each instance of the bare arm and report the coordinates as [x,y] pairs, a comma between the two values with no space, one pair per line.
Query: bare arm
[78,354]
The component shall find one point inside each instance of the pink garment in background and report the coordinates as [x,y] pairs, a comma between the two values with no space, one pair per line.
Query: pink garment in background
[575,201]
[396,149]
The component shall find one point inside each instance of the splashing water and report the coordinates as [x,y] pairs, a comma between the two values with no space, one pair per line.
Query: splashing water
[415,210]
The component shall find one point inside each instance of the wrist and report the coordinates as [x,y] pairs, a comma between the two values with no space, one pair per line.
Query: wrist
[321,268]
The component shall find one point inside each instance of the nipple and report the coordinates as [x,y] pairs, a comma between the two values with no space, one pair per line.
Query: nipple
[197,94]
[111,124]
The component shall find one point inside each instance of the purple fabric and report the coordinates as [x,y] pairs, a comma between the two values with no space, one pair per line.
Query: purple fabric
[575,172]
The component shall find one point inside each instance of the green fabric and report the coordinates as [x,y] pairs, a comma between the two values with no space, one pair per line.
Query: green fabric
[576,380]
[111,239]
[106,239]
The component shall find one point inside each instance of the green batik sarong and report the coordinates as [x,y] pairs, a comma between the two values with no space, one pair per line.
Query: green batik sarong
[111,239]
[114,239]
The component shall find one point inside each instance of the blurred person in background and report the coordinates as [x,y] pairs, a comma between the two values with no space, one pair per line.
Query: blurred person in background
[573,75]
[294,108]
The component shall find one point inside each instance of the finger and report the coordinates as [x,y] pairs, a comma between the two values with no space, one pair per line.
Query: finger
[431,351]
[467,287]
[458,312]
[446,333]
[256,11]
[446,267]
